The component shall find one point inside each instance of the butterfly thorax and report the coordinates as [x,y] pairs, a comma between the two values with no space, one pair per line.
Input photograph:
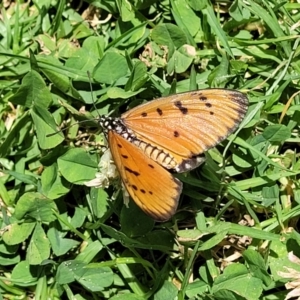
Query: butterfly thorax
[117,125]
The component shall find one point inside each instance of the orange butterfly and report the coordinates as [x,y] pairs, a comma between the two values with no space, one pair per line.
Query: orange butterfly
[169,133]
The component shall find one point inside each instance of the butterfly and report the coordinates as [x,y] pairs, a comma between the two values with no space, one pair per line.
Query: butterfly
[169,134]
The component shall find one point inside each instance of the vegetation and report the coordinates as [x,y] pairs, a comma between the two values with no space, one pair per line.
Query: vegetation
[235,234]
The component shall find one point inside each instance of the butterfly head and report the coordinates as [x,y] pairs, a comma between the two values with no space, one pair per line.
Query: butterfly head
[116,125]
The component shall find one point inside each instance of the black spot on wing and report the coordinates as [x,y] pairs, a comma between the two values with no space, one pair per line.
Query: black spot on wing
[151,166]
[211,112]
[159,111]
[119,145]
[208,104]
[183,109]
[176,133]
[124,156]
[134,187]
[144,114]
[132,171]
[143,191]
[150,193]
[202,98]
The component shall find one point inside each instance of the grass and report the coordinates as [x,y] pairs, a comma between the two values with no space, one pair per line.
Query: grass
[235,234]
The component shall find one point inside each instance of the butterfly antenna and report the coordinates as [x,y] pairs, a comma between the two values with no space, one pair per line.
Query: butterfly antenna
[78,122]
[90,80]
[64,129]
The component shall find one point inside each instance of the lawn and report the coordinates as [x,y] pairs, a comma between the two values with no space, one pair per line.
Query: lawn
[64,64]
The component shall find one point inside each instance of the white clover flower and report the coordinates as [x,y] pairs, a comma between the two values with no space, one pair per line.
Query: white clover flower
[107,172]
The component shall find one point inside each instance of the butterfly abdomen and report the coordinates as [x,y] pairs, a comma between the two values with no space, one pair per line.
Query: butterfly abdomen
[158,155]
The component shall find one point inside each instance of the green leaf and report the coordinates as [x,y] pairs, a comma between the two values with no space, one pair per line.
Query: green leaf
[180,60]
[279,258]
[59,244]
[83,59]
[158,240]
[95,45]
[257,266]
[142,223]
[168,34]
[99,202]
[16,135]
[59,76]
[237,279]
[53,185]
[270,194]
[17,233]
[77,166]
[29,179]
[39,247]
[126,10]
[239,12]
[197,287]
[218,76]
[22,275]
[116,92]
[78,217]
[111,67]
[90,252]
[45,126]
[167,291]
[242,159]
[196,5]
[187,16]
[66,271]
[36,206]
[277,133]
[94,279]
[33,91]
[215,240]
[138,77]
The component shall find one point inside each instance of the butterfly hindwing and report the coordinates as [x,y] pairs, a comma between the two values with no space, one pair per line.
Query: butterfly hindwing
[152,187]
[188,124]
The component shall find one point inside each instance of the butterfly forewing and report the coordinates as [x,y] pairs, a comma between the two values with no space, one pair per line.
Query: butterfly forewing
[152,187]
[186,125]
